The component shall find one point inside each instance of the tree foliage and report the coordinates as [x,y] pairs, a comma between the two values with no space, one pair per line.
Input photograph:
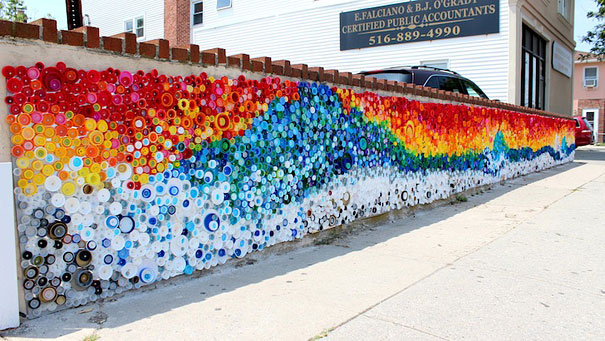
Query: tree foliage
[596,37]
[13,10]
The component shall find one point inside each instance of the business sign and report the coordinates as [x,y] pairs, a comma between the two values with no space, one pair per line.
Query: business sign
[417,21]
[562,59]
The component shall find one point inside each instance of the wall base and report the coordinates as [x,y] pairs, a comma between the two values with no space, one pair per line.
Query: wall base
[9,297]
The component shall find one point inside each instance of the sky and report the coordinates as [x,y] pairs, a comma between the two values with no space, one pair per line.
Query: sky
[56,8]
[583,24]
[40,8]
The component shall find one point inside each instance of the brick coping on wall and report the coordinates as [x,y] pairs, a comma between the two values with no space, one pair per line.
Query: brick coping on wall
[160,49]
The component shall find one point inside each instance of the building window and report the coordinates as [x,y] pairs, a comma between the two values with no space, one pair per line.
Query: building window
[198,13]
[136,26]
[128,27]
[591,77]
[222,4]
[564,8]
[533,70]
[139,26]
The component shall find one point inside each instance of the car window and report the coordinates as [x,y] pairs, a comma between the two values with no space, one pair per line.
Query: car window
[445,83]
[393,76]
[577,123]
[588,125]
[472,89]
[432,82]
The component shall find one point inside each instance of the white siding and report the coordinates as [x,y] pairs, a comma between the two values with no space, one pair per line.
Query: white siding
[109,16]
[307,31]
[244,10]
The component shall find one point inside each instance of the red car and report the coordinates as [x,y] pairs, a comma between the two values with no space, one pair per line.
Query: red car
[584,132]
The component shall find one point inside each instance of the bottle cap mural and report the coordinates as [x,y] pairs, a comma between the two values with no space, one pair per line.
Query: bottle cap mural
[125,177]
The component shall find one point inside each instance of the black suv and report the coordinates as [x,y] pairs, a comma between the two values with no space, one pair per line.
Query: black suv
[429,76]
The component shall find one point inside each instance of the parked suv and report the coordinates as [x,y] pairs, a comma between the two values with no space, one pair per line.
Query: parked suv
[429,76]
[584,131]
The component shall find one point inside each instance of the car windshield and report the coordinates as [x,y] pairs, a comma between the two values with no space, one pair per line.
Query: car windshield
[588,125]
[393,76]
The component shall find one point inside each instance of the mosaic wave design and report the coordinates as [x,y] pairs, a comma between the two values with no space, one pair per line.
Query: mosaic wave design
[127,178]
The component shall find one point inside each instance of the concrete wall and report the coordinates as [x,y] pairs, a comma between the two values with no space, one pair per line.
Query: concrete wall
[26,52]
[9,283]
[264,160]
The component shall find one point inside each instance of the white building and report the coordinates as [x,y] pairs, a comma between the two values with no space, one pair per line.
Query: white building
[309,31]
[117,16]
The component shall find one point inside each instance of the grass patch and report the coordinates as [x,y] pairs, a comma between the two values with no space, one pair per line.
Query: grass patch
[461,198]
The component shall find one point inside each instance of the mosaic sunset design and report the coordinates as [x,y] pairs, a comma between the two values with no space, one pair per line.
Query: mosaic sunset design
[126,178]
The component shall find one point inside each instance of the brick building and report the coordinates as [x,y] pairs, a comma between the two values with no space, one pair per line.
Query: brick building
[589,93]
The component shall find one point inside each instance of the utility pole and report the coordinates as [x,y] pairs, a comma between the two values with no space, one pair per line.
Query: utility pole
[74,13]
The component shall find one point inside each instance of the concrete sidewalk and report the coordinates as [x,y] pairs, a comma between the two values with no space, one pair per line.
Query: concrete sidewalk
[525,260]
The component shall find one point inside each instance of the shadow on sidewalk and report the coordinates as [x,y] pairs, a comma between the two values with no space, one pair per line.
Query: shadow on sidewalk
[184,290]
